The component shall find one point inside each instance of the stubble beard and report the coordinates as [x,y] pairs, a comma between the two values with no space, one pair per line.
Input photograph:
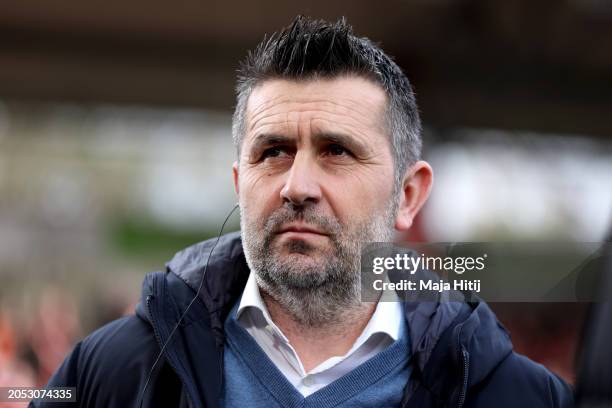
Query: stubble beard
[316,288]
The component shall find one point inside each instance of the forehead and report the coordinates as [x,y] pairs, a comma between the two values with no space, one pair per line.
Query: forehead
[348,101]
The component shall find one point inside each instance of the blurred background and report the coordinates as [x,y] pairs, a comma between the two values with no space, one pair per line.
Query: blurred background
[115,145]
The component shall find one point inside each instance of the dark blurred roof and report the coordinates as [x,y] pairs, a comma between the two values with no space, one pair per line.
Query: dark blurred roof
[543,65]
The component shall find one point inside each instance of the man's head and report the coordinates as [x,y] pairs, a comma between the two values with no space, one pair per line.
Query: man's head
[328,139]
[315,49]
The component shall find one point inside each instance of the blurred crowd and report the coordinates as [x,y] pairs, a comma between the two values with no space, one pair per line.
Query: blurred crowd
[34,344]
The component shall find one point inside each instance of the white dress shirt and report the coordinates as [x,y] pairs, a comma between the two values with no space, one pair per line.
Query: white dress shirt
[383,329]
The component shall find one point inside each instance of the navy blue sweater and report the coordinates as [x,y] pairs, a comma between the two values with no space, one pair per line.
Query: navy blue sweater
[461,355]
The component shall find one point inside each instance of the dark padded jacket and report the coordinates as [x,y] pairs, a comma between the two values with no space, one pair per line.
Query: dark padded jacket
[462,356]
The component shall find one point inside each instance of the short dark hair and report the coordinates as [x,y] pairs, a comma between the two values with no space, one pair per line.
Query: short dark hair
[309,49]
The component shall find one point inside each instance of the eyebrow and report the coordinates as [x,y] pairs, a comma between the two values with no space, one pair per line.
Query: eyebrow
[265,139]
[342,139]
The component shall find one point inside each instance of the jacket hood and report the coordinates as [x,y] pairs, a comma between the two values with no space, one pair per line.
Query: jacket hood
[442,333]
[217,269]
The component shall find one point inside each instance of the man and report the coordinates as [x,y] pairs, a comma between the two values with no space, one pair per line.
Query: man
[328,139]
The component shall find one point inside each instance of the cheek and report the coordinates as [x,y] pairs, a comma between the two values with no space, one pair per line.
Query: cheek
[258,189]
[360,194]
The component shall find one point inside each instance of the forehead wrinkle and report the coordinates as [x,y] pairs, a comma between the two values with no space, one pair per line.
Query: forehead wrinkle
[272,122]
[252,113]
[350,124]
[344,105]
[351,121]
[350,106]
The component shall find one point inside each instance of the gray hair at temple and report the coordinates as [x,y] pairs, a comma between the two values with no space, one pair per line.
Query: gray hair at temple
[310,49]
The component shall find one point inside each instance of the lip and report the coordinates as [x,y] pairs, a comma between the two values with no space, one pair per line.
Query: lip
[300,229]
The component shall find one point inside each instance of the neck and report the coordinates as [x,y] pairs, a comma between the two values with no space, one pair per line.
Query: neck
[315,344]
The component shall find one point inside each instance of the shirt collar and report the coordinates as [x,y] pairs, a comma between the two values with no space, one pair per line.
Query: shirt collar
[387,317]
[251,298]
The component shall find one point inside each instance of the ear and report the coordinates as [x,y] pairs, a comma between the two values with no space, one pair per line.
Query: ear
[235,176]
[416,187]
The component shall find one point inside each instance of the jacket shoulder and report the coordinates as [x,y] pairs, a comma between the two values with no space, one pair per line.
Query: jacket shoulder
[519,381]
[121,347]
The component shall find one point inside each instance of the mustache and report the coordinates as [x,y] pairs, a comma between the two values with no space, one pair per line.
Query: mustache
[326,224]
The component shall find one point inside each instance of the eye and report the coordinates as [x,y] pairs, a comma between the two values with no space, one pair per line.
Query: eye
[276,151]
[337,150]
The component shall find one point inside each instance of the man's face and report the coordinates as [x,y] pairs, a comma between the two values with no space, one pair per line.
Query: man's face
[315,176]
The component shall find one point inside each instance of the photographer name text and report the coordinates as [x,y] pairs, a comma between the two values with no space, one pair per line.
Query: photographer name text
[428,285]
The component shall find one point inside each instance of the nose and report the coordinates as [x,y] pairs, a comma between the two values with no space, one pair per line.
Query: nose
[302,184]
